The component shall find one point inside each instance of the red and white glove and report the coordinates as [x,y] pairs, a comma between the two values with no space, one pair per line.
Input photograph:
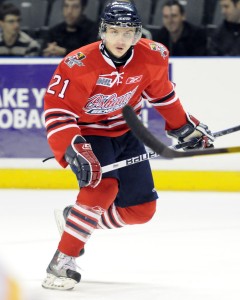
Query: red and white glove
[194,132]
[83,162]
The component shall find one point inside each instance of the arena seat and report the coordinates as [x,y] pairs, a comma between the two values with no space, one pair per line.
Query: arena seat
[144,9]
[157,16]
[194,11]
[218,16]
[33,13]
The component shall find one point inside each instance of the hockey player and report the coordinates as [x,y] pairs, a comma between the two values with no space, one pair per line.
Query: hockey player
[86,130]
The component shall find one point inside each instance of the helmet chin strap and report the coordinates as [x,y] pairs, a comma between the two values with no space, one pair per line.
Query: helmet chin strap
[118,61]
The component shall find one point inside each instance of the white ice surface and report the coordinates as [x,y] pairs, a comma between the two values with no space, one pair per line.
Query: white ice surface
[189,251]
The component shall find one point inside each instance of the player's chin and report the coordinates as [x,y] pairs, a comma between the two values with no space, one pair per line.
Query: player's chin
[119,52]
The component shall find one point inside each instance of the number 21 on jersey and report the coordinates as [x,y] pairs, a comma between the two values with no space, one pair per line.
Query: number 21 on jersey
[58,81]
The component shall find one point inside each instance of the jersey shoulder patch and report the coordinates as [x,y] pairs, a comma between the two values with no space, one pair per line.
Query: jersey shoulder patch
[158,47]
[76,59]
[78,56]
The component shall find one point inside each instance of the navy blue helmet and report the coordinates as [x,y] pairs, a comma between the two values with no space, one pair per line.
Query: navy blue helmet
[121,13]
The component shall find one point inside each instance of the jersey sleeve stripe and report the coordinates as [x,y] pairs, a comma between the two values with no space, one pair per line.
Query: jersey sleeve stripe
[164,98]
[58,116]
[166,103]
[172,94]
[59,119]
[94,125]
[61,128]
[60,124]
[57,110]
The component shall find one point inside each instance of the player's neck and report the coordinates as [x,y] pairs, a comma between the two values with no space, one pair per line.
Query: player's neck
[118,61]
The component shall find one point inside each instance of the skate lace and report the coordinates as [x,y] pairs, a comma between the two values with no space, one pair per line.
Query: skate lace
[67,262]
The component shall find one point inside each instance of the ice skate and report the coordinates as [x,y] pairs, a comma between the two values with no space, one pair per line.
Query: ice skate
[61,273]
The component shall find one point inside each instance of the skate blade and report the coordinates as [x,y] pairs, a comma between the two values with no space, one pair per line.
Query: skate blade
[58,283]
[58,214]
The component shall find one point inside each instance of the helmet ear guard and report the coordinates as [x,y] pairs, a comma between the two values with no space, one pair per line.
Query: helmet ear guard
[121,14]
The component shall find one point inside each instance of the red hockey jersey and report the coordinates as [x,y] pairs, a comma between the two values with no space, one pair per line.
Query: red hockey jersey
[87,93]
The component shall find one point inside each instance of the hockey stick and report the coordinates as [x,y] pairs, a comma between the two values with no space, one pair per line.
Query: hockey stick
[149,155]
[160,148]
[227,131]
[129,161]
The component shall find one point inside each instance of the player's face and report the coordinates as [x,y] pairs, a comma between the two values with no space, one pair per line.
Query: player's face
[172,18]
[119,39]
[72,10]
[11,24]
[230,11]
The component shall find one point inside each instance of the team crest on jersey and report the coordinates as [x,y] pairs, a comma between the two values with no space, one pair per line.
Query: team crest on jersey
[75,60]
[134,79]
[101,104]
[110,79]
[159,48]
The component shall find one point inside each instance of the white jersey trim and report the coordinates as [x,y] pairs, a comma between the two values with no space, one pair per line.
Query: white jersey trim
[59,119]
[148,98]
[60,129]
[166,103]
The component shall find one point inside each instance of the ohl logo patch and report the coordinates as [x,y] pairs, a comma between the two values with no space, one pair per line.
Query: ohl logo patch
[75,60]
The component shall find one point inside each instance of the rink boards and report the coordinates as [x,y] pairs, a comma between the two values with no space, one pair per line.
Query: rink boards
[207,87]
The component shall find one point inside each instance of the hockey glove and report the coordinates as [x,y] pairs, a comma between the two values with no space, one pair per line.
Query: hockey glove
[83,162]
[194,132]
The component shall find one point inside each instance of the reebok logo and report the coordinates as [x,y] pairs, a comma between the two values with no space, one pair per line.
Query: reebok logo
[134,79]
